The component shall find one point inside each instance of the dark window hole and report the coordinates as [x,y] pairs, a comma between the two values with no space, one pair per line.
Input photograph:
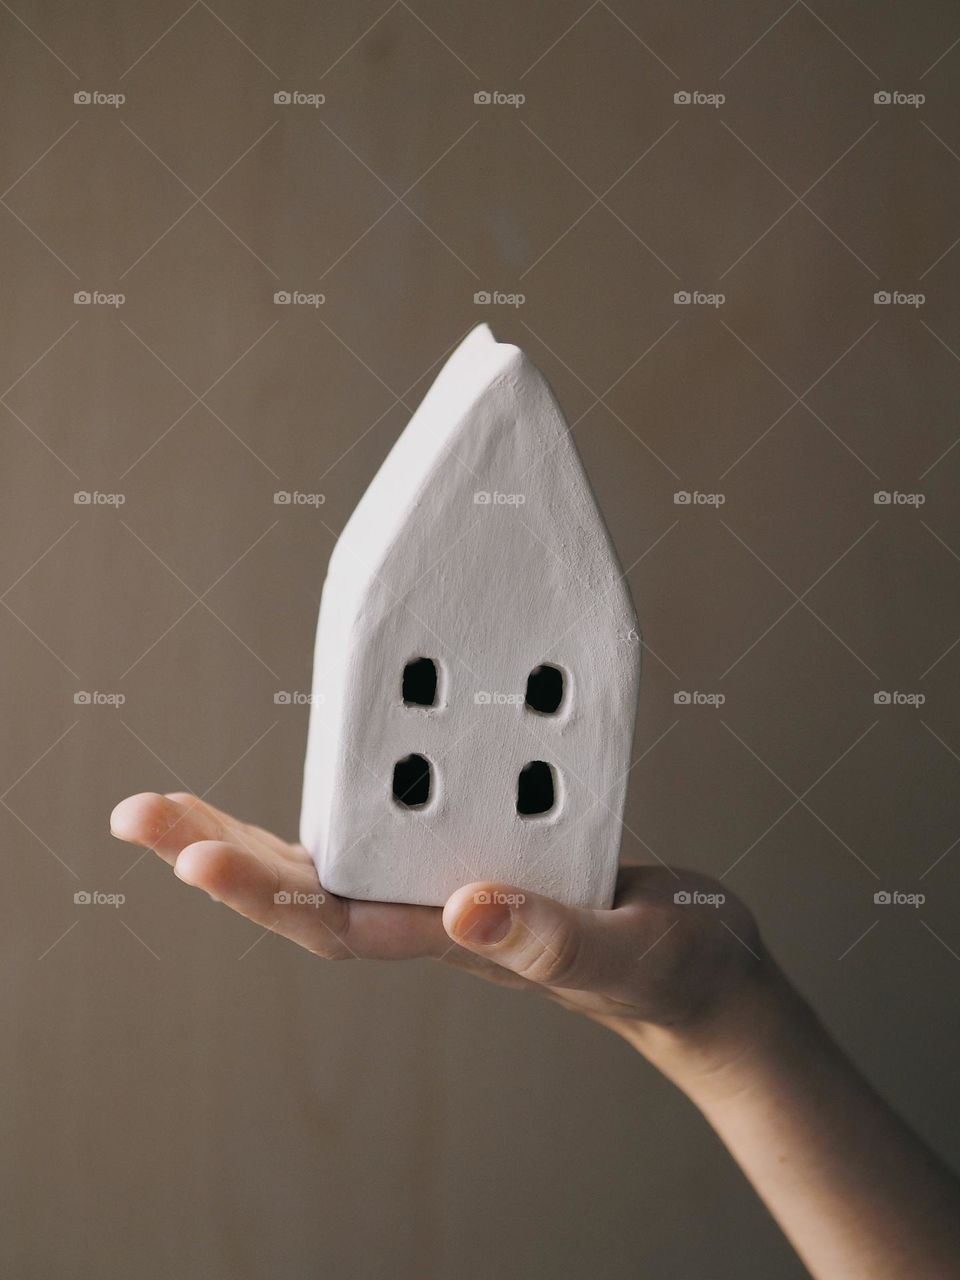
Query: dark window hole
[545,689]
[535,789]
[411,781]
[420,683]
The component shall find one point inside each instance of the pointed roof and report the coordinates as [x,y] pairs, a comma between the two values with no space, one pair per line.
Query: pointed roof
[464,379]
[489,410]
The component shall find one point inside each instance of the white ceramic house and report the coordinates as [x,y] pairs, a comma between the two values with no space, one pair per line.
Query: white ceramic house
[477,660]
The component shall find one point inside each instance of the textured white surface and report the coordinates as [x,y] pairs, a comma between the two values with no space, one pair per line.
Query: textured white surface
[489,591]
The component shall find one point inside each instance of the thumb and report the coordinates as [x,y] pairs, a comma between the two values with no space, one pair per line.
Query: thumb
[533,936]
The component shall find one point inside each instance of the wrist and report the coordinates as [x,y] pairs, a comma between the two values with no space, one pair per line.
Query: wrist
[759,1024]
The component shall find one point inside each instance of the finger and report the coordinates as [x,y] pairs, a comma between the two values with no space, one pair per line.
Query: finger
[272,893]
[161,823]
[169,823]
[551,944]
[289,900]
[245,833]
[271,882]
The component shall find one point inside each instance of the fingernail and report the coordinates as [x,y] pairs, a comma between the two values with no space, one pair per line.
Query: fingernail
[487,924]
[179,870]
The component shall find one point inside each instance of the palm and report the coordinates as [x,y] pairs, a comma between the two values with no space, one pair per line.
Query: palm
[656,962]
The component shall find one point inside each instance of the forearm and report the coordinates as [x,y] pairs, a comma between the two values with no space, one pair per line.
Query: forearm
[857,1194]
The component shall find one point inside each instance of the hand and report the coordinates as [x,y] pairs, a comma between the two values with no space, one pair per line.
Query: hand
[651,961]
[687,983]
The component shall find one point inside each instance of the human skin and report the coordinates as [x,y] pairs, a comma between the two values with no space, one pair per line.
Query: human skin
[691,987]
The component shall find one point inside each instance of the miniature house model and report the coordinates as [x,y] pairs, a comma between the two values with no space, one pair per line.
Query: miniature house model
[477,660]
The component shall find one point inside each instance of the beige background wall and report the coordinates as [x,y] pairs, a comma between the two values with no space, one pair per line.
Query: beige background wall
[183,1096]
